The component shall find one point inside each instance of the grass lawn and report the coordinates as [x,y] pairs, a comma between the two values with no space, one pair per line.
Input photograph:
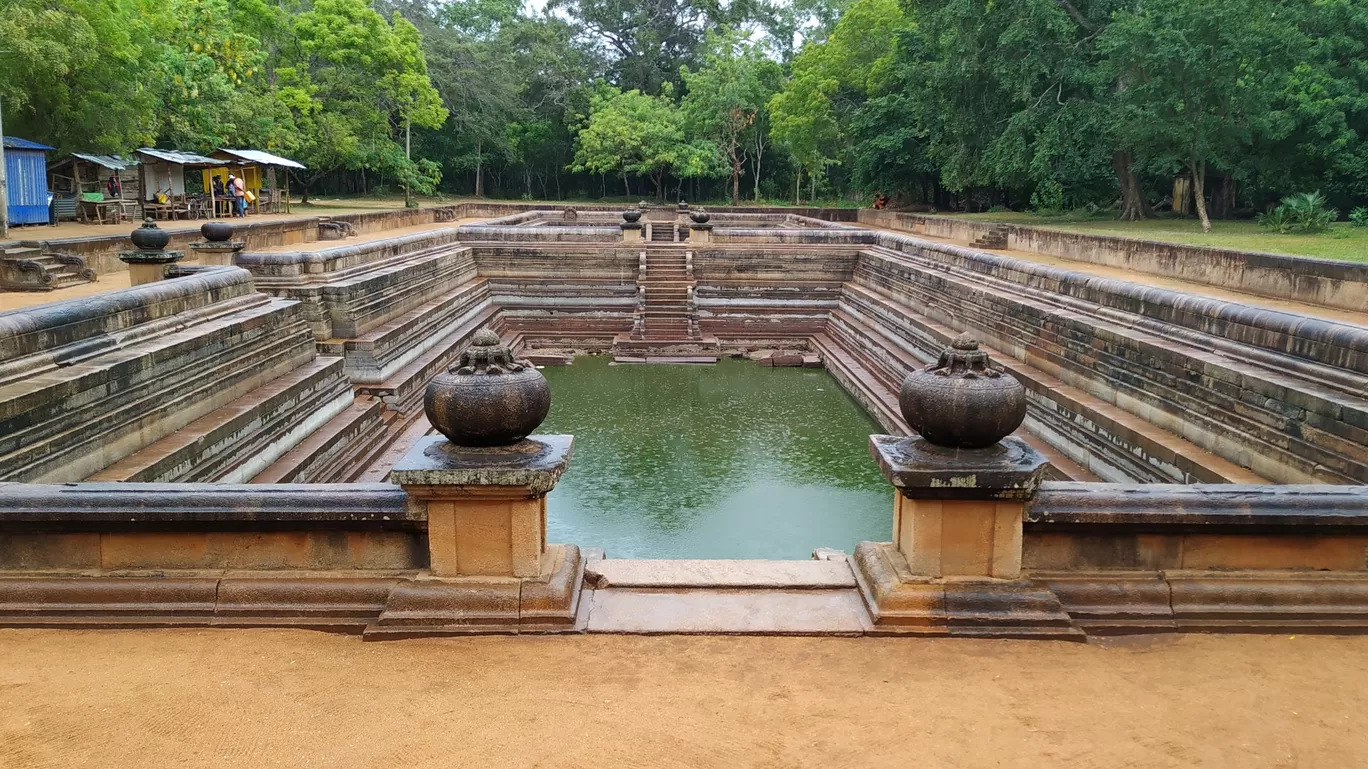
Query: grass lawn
[1344,242]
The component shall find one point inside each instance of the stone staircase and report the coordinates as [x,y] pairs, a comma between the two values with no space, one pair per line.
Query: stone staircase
[666,316]
[995,239]
[662,232]
[28,268]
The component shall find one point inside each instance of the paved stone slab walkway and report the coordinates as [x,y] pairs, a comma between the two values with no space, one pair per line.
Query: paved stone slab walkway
[222,699]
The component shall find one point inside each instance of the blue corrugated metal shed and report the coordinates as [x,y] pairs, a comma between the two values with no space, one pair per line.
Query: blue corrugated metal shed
[25,144]
[26,180]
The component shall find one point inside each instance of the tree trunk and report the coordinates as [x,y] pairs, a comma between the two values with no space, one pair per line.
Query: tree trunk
[759,153]
[798,187]
[1133,205]
[1199,193]
[736,176]
[626,185]
[812,195]
[479,168]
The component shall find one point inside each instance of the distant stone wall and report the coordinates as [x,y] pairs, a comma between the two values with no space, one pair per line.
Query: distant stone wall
[102,252]
[1343,285]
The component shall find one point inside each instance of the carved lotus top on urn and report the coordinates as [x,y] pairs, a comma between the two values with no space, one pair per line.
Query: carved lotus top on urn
[489,398]
[964,400]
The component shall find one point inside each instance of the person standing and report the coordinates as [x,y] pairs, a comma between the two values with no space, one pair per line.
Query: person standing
[239,191]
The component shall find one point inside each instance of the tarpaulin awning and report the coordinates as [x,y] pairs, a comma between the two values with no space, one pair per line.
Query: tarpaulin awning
[260,158]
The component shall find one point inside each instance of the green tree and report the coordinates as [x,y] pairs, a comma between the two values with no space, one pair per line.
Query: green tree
[628,132]
[1202,82]
[727,95]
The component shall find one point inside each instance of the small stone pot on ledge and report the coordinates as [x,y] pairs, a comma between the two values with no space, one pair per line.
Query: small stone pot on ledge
[964,400]
[489,398]
[216,232]
[149,237]
[631,215]
[151,259]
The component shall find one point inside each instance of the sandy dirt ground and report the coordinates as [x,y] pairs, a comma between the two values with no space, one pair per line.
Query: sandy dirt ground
[274,698]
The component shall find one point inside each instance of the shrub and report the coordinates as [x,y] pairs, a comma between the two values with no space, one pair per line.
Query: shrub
[1303,213]
[1048,198]
[1359,217]
[1277,220]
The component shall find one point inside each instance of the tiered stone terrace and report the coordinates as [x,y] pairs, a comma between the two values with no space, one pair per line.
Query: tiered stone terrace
[306,364]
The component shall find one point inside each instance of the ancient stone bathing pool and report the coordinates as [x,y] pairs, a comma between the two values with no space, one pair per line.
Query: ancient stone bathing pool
[724,461]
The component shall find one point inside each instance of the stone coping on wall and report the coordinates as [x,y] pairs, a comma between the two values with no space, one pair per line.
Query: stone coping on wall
[1309,508]
[1327,282]
[207,506]
[1292,509]
[284,265]
[86,324]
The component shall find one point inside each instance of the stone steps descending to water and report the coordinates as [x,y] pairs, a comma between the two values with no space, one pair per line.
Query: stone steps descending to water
[376,356]
[869,387]
[235,442]
[722,598]
[340,450]
[403,390]
[1105,439]
[85,383]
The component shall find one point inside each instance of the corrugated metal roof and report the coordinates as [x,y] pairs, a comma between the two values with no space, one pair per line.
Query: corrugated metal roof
[113,162]
[179,158]
[14,142]
[262,158]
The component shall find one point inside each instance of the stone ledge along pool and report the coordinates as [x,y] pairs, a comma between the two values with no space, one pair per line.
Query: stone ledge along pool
[702,461]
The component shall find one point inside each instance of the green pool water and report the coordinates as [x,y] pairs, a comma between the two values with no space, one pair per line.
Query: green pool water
[725,461]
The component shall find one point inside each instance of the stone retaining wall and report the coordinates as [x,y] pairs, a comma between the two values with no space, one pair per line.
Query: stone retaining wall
[1117,559]
[1342,285]
[1280,396]
[95,380]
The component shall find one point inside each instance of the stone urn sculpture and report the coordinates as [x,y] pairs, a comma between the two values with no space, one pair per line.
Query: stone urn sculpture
[631,215]
[699,216]
[216,232]
[964,400]
[489,398]
[151,259]
[149,237]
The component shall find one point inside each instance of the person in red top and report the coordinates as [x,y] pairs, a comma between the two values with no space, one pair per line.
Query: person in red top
[880,201]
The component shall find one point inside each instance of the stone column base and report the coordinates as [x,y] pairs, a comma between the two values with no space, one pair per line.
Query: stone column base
[440,606]
[902,603]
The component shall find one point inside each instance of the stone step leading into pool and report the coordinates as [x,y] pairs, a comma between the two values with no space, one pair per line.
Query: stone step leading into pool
[739,597]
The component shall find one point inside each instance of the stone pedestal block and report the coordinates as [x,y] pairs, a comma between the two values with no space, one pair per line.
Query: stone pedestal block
[490,568]
[955,563]
[700,233]
[217,253]
[633,232]
[148,266]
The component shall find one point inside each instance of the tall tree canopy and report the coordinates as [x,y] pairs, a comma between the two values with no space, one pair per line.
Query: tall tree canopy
[1048,104]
